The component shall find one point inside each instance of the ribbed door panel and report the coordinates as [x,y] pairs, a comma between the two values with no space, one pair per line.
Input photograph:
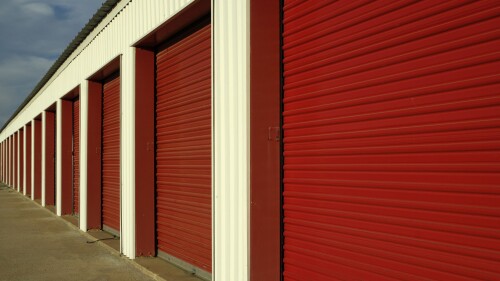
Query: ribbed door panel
[391,140]
[15,161]
[27,157]
[76,156]
[183,149]
[21,161]
[111,154]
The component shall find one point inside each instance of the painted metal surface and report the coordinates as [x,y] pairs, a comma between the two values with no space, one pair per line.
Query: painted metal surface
[391,125]
[37,159]
[76,156]
[265,148]
[93,188]
[2,165]
[144,172]
[18,160]
[9,161]
[27,160]
[183,149]
[64,188]
[127,146]
[14,161]
[21,161]
[111,153]
[49,143]
[83,217]
[231,139]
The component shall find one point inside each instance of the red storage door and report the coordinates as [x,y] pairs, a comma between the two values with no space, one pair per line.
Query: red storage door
[21,161]
[27,157]
[391,140]
[183,149]
[14,161]
[76,156]
[111,154]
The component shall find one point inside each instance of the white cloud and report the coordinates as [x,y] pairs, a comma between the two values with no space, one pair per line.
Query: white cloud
[34,34]
[38,9]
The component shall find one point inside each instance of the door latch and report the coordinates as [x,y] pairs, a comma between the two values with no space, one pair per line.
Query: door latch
[274,134]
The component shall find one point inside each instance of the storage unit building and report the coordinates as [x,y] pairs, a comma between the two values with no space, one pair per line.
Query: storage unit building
[276,140]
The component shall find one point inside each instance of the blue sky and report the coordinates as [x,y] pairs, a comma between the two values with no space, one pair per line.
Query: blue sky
[33,35]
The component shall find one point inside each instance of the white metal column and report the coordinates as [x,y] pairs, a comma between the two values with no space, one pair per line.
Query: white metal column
[127,205]
[18,157]
[25,176]
[84,105]
[231,139]
[9,165]
[33,159]
[58,156]
[44,133]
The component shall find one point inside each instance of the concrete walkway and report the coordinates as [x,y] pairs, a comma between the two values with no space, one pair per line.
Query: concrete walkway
[36,245]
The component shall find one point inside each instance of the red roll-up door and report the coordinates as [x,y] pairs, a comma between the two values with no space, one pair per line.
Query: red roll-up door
[27,157]
[14,161]
[111,154]
[183,149]
[21,161]
[391,140]
[76,156]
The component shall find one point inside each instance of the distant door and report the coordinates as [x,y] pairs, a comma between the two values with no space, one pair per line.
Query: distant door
[27,157]
[76,156]
[111,154]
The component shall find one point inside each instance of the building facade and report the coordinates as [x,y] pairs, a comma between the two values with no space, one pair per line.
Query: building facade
[267,140]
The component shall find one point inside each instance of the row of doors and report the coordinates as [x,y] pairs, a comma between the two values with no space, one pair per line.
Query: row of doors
[110,154]
[390,148]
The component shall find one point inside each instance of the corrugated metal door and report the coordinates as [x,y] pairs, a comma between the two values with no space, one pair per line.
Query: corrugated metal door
[14,161]
[21,161]
[76,156]
[111,154]
[27,157]
[391,140]
[183,149]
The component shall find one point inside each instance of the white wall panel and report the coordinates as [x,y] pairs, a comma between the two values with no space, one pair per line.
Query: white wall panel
[25,176]
[8,162]
[18,157]
[231,147]
[44,133]
[32,160]
[128,153]
[84,105]
[58,157]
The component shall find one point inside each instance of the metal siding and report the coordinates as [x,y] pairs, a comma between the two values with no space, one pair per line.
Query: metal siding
[111,154]
[48,168]
[231,141]
[14,161]
[183,149]
[83,198]
[37,159]
[76,156]
[1,162]
[21,161]
[27,164]
[391,140]
[9,161]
